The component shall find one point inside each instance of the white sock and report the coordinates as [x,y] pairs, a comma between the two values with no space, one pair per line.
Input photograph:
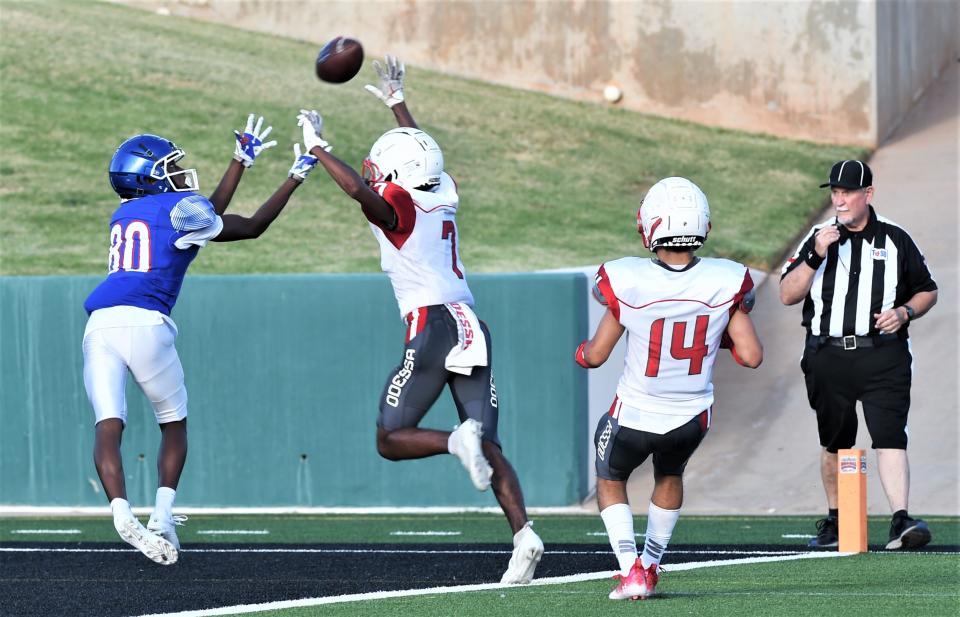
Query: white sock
[163,510]
[660,524]
[618,519]
[121,511]
[450,444]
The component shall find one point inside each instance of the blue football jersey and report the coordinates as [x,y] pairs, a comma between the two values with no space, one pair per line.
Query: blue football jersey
[145,268]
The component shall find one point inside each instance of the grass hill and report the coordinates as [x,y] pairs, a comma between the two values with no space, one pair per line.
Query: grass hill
[545,182]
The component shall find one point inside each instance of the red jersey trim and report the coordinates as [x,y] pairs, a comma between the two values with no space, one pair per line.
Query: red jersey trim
[744,290]
[405,209]
[603,284]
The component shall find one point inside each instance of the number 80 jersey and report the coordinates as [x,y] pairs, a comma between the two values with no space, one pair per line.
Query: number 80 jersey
[674,321]
[421,255]
[153,239]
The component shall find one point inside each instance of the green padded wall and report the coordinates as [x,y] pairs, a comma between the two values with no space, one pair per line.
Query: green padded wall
[283,374]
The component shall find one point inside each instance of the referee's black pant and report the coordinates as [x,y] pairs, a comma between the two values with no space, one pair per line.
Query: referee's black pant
[878,376]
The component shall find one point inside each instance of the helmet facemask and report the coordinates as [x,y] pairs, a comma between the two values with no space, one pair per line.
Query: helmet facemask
[161,172]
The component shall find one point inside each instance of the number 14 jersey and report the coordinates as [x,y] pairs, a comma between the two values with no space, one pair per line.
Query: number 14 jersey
[674,321]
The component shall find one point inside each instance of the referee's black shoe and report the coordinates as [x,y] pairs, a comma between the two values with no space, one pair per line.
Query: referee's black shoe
[907,533]
[827,534]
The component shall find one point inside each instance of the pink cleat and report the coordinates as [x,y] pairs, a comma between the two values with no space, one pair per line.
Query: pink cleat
[652,577]
[633,586]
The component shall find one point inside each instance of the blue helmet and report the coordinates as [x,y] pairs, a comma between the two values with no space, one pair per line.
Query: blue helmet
[139,167]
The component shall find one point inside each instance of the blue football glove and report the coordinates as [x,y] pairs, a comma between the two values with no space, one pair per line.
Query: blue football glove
[250,143]
[303,164]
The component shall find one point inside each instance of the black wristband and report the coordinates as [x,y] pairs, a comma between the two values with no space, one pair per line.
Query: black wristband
[813,260]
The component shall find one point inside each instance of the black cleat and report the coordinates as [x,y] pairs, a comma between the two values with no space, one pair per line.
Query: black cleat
[827,534]
[907,533]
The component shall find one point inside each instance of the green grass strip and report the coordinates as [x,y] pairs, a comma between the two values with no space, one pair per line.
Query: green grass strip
[545,182]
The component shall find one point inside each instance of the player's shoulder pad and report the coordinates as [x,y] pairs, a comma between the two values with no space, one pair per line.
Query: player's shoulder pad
[192,212]
[737,277]
[445,177]
[623,266]
[605,285]
[729,269]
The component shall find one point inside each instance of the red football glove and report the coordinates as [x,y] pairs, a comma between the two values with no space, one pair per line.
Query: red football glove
[582,361]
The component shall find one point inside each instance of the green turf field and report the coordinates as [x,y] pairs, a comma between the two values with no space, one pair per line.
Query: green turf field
[472,527]
[872,585]
[544,182]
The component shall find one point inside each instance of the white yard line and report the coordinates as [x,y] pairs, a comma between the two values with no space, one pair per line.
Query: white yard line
[604,534]
[380,595]
[426,533]
[10,511]
[233,532]
[46,531]
[382,551]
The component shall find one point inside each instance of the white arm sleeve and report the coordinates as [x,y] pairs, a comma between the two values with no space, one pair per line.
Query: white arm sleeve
[195,215]
[201,236]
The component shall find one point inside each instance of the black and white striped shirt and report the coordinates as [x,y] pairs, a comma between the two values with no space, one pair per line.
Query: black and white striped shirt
[866,272]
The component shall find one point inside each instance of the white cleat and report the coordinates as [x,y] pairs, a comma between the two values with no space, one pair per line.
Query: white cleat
[465,443]
[153,546]
[167,529]
[527,551]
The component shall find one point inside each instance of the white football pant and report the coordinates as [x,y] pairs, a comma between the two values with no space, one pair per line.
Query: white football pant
[148,353]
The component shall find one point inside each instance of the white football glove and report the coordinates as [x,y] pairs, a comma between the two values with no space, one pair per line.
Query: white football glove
[250,144]
[312,125]
[303,164]
[391,81]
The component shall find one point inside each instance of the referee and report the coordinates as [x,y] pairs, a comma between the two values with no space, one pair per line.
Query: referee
[862,280]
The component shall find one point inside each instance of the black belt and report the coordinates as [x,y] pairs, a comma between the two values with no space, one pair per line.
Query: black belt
[855,342]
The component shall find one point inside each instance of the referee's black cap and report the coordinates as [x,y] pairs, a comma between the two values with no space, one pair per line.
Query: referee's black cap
[850,175]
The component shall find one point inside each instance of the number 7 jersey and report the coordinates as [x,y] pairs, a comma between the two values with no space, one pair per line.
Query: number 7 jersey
[421,254]
[674,321]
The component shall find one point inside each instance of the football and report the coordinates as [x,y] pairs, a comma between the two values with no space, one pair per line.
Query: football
[340,60]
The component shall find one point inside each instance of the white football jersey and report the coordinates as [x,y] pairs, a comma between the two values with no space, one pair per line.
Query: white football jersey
[421,255]
[674,321]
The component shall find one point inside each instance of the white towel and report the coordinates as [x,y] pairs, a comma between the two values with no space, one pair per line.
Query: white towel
[471,347]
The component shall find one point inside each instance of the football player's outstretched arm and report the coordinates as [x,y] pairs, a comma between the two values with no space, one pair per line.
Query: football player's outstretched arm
[390,91]
[742,340]
[247,148]
[223,194]
[236,227]
[403,116]
[373,205]
[593,353]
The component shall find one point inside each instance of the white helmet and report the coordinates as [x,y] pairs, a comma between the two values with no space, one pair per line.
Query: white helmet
[674,212]
[406,156]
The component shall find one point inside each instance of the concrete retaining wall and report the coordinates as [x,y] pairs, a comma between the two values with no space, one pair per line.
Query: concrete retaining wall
[839,72]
